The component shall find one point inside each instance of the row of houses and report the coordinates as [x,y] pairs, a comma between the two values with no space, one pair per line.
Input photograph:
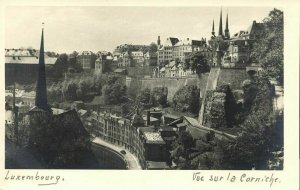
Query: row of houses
[172,69]
[220,50]
[133,134]
[175,49]
[134,58]
[148,135]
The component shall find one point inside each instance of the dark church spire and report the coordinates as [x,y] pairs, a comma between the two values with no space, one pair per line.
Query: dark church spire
[41,88]
[220,25]
[227,35]
[213,28]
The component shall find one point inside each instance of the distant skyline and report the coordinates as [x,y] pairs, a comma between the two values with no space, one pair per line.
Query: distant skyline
[69,29]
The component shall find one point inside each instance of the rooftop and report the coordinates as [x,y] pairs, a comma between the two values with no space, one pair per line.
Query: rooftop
[82,112]
[29,60]
[153,138]
[192,121]
[152,119]
[57,111]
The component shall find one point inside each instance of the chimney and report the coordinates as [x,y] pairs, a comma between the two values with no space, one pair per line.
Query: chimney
[158,41]
[148,118]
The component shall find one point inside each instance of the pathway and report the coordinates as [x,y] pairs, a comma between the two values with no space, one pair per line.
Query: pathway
[130,158]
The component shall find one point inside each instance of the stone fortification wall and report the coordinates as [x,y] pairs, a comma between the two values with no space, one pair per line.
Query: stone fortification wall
[232,76]
[173,84]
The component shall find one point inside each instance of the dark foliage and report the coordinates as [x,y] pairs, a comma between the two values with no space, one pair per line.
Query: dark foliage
[268,49]
[159,96]
[187,99]
[196,62]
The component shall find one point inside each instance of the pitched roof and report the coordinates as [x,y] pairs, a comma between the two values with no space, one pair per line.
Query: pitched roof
[29,60]
[254,26]
[188,41]
[70,122]
[192,121]
[152,119]
[82,112]
[171,64]
[171,41]
[57,111]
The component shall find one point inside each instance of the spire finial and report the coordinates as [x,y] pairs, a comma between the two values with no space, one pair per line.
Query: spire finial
[227,35]
[220,24]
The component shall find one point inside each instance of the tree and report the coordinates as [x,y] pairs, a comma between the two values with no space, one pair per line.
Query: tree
[181,147]
[159,96]
[71,91]
[187,99]
[254,143]
[113,91]
[268,49]
[73,62]
[153,48]
[61,65]
[144,96]
[196,62]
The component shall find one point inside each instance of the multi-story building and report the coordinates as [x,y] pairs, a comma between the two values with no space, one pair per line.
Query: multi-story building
[165,51]
[22,64]
[117,130]
[155,148]
[237,54]
[138,57]
[125,59]
[104,63]
[177,50]
[84,58]
[183,47]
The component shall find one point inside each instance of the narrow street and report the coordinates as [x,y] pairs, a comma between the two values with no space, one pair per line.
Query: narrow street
[132,161]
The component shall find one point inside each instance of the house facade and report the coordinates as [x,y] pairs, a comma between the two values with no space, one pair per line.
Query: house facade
[84,58]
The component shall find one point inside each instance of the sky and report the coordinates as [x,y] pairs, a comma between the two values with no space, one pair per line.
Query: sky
[103,28]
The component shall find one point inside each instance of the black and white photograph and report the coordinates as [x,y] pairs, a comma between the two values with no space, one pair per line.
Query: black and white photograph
[144,88]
